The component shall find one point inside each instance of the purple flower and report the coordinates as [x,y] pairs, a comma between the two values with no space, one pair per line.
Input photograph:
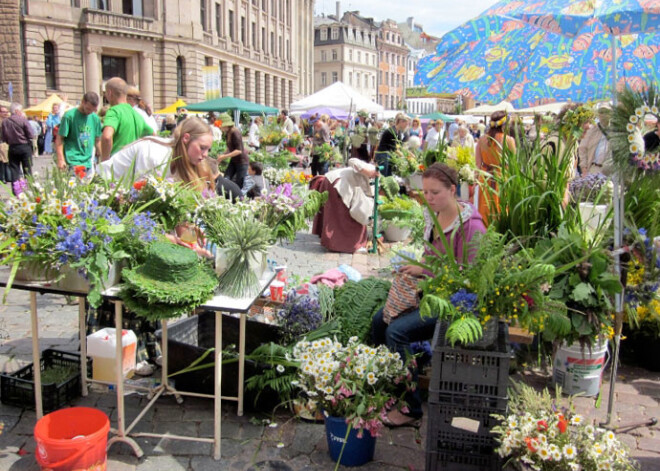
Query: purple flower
[464,301]
[19,186]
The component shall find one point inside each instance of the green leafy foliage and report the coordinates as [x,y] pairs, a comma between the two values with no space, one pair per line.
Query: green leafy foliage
[355,305]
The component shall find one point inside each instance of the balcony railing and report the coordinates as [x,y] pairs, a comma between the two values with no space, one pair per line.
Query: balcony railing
[117,21]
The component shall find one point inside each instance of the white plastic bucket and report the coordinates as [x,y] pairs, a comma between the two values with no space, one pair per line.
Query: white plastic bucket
[593,215]
[579,370]
[396,234]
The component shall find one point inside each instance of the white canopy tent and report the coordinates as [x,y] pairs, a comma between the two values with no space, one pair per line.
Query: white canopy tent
[487,110]
[550,108]
[339,96]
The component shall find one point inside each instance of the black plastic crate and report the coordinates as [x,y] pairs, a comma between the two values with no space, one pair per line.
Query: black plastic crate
[189,338]
[446,419]
[17,389]
[451,460]
[500,344]
[468,377]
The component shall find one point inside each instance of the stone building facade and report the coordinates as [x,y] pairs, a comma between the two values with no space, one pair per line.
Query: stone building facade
[345,51]
[258,50]
[393,55]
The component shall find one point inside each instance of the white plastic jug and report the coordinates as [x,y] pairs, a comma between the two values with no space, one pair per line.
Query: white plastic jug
[102,347]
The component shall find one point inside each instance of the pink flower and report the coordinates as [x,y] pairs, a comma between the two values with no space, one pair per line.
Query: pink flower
[405,410]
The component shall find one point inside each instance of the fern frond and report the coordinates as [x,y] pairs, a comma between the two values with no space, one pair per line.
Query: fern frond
[464,330]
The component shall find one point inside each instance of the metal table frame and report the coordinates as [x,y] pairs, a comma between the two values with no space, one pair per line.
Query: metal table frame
[219,304]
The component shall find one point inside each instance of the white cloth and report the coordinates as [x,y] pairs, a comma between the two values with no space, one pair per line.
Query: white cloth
[253,135]
[453,128]
[354,189]
[150,155]
[287,127]
[150,120]
[432,138]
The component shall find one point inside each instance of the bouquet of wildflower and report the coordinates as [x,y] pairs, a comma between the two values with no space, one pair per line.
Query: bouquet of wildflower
[327,153]
[503,281]
[294,140]
[592,188]
[299,315]
[299,178]
[275,176]
[271,134]
[539,434]
[170,202]
[642,283]
[353,381]
[405,161]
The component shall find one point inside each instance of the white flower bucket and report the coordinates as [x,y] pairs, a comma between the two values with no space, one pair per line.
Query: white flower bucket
[74,281]
[258,264]
[579,370]
[593,215]
[396,234]
[415,181]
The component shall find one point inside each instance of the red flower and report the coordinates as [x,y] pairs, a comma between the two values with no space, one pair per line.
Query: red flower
[541,425]
[422,167]
[139,184]
[218,123]
[562,425]
[530,301]
[531,444]
[65,209]
[80,171]
[38,199]
[69,216]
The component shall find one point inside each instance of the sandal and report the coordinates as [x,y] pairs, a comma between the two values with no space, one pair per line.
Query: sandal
[395,418]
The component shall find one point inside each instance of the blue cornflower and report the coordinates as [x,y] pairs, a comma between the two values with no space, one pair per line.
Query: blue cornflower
[464,301]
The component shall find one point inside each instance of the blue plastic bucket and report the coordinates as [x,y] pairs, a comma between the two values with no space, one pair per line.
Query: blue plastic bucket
[357,451]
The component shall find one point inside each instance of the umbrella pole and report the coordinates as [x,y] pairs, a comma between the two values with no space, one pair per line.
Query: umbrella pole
[618,200]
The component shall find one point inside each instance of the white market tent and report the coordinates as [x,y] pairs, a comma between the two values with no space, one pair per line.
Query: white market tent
[339,96]
[550,108]
[487,110]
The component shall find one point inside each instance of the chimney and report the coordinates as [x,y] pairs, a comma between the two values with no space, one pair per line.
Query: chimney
[338,11]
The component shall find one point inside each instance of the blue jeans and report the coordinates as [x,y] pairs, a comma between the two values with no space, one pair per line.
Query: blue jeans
[398,335]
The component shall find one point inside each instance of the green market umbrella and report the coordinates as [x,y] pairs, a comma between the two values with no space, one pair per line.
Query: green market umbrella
[437,115]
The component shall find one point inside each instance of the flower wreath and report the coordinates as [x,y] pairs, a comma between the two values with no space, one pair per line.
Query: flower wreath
[627,136]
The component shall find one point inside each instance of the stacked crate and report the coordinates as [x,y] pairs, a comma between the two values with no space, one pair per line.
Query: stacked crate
[467,386]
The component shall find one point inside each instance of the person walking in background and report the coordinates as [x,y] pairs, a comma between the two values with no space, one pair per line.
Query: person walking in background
[416,130]
[79,138]
[286,123]
[463,138]
[17,132]
[121,124]
[594,152]
[238,163]
[254,132]
[52,121]
[134,99]
[433,135]
[487,158]
[321,136]
[392,136]
[4,148]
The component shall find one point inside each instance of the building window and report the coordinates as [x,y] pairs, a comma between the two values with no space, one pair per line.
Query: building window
[323,56]
[288,50]
[357,79]
[218,19]
[334,34]
[280,47]
[335,77]
[334,54]
[264,5]
[263,39]
[350,55]
[113,67]
[231,24]
[208,61]
[49,65]
[373,81]
[254,35]
[202,13]
[243,30]
[324,34]
[366,81]
[98,4]
[350,78]
[359,56]
[272,43]
[180,77]
[324,78]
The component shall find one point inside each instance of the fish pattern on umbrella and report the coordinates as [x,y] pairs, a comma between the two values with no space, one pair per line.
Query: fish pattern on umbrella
[494,58]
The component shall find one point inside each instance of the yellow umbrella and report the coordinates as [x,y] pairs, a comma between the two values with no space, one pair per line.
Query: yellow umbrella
[172,108]
[43,109]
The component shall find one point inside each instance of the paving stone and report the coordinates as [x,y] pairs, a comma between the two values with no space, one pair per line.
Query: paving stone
[185,429]
[167,446]
[649,443]
[122,463]
[164,463]
[307,437]
[207,463]
[636,398]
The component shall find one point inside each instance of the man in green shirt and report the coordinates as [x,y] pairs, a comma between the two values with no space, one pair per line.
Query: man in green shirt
[121,123]
[79,134]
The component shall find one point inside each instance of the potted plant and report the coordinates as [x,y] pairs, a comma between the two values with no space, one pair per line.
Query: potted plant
[272,135]
[328,153]
[353,384]
[593,194]
[541,433]
[293,141]
[401,215]
[405,162]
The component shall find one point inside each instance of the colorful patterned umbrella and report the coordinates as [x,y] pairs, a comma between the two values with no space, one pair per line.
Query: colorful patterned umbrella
[495,58]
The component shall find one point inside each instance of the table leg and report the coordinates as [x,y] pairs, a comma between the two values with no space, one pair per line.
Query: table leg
[36,355]
[241,361]
[82,321]
[119,378]
[217,420]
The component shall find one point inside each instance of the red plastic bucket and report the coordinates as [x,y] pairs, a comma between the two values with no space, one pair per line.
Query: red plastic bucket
[73,439]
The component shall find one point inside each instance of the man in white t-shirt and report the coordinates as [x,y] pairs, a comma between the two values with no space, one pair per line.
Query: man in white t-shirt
[287,124]
[434,135]
[133,98]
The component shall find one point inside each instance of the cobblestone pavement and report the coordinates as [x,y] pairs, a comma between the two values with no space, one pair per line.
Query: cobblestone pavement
[247,442]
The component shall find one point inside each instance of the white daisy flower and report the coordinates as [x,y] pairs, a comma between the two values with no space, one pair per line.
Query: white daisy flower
[634,119]
[570,452]
[544,453]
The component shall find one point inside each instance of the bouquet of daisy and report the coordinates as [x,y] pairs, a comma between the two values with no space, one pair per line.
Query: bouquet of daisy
[539,434]
[352,381]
